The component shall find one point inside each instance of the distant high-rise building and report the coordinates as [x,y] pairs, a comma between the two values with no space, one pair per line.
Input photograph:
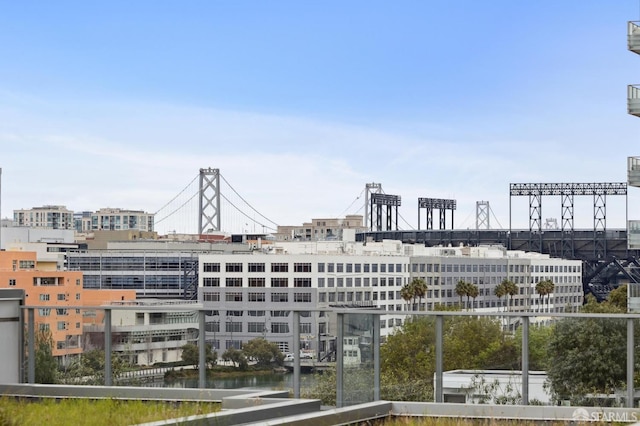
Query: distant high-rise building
[320,229]
[52,217]
[109,219]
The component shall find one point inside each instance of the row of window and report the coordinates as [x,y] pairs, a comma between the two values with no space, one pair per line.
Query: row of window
[305,267]
[256,327]
[255,282]
[151,263]
[276,314]
[496,268]
[257,297]
[174,282]
[256,267]
[357,296]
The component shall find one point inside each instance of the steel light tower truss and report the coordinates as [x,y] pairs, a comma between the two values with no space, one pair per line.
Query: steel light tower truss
[209,205]
[440,204]
[483,211]
[387,204]
[567,191]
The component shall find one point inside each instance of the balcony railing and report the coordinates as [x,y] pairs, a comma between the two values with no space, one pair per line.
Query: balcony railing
[633,36]
[633,99]
[360,382]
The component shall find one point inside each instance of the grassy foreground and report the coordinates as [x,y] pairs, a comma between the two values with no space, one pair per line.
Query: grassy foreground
[105,412]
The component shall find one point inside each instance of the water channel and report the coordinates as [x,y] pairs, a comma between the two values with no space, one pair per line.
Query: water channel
[272,381]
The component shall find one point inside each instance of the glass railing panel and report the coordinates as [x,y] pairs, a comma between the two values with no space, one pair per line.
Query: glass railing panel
[356,358]
[407,358]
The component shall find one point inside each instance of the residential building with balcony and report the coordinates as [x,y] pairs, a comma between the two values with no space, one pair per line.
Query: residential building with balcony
[51,217]
[320,229]
[115,219]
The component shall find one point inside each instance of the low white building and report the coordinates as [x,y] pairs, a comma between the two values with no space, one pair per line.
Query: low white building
[144,334]
[493,387]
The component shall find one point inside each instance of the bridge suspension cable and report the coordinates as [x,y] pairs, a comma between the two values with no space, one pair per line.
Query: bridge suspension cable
[246,215]
[352,203]
[179,194]
[247,203]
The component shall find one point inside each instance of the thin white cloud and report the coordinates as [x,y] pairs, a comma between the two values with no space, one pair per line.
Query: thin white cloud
[290,169]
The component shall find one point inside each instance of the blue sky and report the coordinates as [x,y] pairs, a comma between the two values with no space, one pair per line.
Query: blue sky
[299,104]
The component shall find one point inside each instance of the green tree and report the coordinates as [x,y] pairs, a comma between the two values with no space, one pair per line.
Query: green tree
[419,287]
[539,339]
[588,355]
[473,292]
[46,364]
[406,294]
[191,355]
[237,357]
[500,291]
[510,289]
[461,289]
[90,368]
[263,352]
[618,297]
[545,288]
[408,356]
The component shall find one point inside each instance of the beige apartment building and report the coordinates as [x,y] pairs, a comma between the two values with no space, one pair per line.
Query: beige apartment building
[320,229]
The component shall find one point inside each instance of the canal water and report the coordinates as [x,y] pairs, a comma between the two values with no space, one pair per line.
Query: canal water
[273,381]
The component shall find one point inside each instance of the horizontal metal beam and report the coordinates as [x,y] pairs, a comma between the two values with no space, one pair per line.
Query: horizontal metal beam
[606,188]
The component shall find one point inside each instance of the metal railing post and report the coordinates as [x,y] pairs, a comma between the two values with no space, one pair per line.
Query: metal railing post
[376,357]
[108,380]
[439,394]
[296,354]
[339,361]
[630,363]
[202,354]
[31,337]
[525,360]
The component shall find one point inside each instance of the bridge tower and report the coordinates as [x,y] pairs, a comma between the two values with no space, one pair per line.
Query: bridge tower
[370,188]
[209,203]
[483,211]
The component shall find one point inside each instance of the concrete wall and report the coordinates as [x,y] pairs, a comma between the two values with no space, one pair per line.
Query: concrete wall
[10,301]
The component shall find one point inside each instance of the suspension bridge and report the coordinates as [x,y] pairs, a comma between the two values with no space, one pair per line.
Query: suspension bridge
[209,203]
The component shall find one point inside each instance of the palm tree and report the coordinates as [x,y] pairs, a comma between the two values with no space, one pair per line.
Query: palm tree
[419,287]
[500,291]
[406,294]
[550,286]
[461,290]
[545,288]
[510,288]
[541,290]
[473,292]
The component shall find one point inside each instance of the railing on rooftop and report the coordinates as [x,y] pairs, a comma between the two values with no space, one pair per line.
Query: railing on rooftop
[360,382]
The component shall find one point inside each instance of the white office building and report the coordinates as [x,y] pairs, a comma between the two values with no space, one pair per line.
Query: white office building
[252,295]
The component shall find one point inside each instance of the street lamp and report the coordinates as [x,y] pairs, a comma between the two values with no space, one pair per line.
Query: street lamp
[230,326]
[216,324]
